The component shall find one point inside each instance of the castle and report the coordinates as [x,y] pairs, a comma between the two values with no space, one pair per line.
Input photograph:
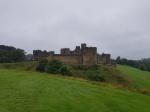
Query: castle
[81,55]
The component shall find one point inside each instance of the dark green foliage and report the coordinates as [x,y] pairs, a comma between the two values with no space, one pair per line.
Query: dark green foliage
[96,76]
[17,55]
[79,67]
[42,65]
[54,66]
[65,71]
[93,67]
[85,67]
[142,67]
[10,54]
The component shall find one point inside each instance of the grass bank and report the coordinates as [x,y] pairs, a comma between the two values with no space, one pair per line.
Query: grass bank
[33,92]
[141,78]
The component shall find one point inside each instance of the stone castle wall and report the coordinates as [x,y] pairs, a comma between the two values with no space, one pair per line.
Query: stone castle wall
[84,55]
[69,59]
[104,59]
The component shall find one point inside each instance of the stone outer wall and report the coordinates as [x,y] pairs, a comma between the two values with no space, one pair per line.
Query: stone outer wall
[104,59]
[69,59]
[84,55]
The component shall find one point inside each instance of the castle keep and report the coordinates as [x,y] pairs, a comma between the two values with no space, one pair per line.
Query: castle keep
[81,55]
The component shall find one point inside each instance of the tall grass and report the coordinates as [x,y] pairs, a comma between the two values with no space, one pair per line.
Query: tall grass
[20,65]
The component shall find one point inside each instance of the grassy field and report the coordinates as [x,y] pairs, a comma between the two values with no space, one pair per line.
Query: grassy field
[32,92]
[141,78]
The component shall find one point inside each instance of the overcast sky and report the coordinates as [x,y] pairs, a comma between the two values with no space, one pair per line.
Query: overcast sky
[118,27]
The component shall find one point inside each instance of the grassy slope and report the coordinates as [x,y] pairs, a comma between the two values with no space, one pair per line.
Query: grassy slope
[141,78]
[20,66]
[32,92]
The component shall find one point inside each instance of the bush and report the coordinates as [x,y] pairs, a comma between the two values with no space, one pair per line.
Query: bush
[42,65]
[93,67]
[85,67]
[79,67]
[96,76]
[65,71]
[54,67]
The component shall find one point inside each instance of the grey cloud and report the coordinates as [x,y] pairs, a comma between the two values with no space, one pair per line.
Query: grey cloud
[119,27]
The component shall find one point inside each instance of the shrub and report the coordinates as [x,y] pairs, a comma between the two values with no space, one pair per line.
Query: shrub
[54,67]
[65,71]
[42,65]
[93,67]
[96,76]
[79,67]
[85,67]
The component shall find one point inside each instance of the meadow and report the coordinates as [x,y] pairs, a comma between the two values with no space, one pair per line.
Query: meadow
[28,91]
[141,78]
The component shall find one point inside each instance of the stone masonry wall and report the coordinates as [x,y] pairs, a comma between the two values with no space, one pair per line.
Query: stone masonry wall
[69,59]
[89,55]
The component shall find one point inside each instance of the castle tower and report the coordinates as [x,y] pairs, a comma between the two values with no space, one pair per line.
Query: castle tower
[88,55]
[83,45]
[65,51]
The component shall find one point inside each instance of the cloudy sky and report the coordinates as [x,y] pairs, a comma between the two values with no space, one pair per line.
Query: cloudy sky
[118,27]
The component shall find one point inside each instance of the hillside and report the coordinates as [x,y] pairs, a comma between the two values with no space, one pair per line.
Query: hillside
[30,92]
[101,74]
[141,78]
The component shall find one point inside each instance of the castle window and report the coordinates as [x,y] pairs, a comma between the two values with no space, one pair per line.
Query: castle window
[84,53]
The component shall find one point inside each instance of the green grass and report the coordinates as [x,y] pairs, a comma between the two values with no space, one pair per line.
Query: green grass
[141,78]
[20,65]
[33,92]
[105,74]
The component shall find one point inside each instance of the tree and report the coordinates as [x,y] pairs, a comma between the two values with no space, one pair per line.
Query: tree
[11,54]
[142,67]
[17,55]
[118,60]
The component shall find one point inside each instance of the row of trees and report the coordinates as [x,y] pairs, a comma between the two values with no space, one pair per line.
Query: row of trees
[143,64]
[9,54]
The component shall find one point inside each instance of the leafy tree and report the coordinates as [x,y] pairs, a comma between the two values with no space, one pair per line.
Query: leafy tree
[11,54]
[118,60]
[17,55]
[142,67]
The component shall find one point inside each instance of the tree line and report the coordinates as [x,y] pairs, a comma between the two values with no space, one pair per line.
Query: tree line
[143,64]
[10,54]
